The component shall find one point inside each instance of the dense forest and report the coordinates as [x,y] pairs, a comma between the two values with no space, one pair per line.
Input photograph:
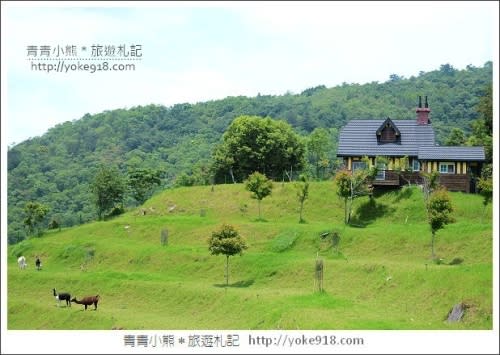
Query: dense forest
[58,168]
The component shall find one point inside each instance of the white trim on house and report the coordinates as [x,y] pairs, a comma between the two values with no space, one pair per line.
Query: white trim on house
[357,165]
[447,167]
[415,165]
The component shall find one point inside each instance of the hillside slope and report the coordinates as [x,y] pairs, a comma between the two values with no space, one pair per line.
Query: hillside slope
[57,168]
[381,276]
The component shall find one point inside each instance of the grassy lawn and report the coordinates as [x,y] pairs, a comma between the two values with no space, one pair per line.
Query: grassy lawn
[380,276]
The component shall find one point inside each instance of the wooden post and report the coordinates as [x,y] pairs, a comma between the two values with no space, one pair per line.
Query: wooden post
[164,237]
[319,274]
[335,241]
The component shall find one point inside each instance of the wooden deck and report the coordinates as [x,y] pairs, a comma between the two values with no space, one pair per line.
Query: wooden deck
[386,182]
[453,182]
[391,178]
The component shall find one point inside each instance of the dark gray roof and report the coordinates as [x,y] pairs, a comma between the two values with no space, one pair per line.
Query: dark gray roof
[358,138]
[451,153]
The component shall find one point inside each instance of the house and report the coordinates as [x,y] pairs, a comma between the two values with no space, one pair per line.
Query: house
[403,149]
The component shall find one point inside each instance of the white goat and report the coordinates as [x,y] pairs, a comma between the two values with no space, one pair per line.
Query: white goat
[21,261]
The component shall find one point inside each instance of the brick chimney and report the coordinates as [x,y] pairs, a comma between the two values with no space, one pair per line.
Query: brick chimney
[423,112]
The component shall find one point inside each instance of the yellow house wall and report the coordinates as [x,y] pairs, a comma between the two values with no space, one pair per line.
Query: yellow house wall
[460,167]
[429,166]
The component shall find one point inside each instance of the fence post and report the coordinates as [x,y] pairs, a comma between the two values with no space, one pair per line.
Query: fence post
[164,237]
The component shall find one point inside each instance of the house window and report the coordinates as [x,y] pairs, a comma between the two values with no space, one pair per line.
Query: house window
[447,168]
[416,165]
[380,171]
[358,165]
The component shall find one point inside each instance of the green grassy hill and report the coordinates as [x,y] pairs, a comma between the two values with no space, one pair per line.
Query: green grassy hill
[380,278]
[57,168]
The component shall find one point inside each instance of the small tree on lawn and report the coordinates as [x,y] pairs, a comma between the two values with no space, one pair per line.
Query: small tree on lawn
[302,187]
[485,185]
[350,186]
[228,242]
[343,183]
[260,186]
[431,183]
[439,208]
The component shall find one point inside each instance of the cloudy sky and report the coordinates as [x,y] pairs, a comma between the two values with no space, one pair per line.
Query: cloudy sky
[194,52]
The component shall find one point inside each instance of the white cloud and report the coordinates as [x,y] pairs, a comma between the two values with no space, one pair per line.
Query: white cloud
[198,52]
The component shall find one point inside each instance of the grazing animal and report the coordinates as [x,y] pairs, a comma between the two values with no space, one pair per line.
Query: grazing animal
[87,301]
[63,296]
[38,263]
[21,261]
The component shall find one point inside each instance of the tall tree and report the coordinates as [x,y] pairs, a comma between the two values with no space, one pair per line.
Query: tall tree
[222,163]
[485,109]
[108,188]
[253,143]
[456,137]
[318,145]
[260,187]
[35,213]
[482,127]
[141,183]
[228,242]
[439,208]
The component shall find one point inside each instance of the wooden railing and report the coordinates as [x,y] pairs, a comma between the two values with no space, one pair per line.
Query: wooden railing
[411,177]
[389,178]
[455,182]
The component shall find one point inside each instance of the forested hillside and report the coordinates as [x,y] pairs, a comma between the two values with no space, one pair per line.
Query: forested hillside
[57,168]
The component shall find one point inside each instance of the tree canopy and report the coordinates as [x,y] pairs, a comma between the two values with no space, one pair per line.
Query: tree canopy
[457,137]
[35,213]
[108,188]
[482,127]
[141,182]
[226,241]
[253,143]
[319,144]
